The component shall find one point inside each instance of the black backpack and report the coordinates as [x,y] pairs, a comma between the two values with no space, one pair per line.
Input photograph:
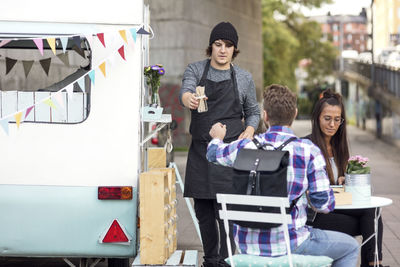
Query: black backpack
[261,172]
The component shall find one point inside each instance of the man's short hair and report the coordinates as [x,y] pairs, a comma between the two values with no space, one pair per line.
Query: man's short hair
[280,105]
[227,42]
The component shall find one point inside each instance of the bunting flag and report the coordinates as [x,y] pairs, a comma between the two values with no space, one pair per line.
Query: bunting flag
[10,64]
[81,83]
[50,103]
[4,125]
[39,43]
[18,117]
[101,38]
[4,42]
[27,66]
[59,98]
[28,110]
[70,91]
[133,33]
[123,35]
[92,76]
[45,63]
[64,43]
[77,41]
[121,51]
[142,31]
[102,67]
[64,58]
[52,44]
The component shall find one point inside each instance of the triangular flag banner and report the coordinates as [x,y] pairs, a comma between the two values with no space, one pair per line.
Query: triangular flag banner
[49,102]
[59,98]
[4,124]
[133,32]
[18,117]
[28,110]
[39,43]
[64,43]
[92,76]
[27,66]
[45,65]
[102,67]
[142,31]
[52,44]
[10,64]
[81,83]
[64,58]
[121,51]
[101,38]
[70,91]
[123,35]
[4,42]
[77,41]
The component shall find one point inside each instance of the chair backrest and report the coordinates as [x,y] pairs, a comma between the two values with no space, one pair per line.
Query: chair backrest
[281,218]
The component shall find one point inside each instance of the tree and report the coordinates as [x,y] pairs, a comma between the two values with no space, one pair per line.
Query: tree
[288,37]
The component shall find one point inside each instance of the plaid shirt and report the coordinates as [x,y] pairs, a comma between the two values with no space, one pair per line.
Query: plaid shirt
[306,171]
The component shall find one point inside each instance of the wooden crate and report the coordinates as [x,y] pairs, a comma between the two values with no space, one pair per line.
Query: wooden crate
[154,247]
[186,258]
[157,206]
[156,157]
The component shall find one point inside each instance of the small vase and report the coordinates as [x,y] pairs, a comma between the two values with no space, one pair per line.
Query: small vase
[155,98]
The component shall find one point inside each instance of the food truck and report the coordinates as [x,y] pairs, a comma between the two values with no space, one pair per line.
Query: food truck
[71,135]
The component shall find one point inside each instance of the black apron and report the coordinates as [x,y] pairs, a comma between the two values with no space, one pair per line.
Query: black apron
[204,179]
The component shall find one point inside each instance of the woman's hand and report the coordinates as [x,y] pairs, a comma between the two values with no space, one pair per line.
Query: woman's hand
[248,133]
[340,180]
[189,100]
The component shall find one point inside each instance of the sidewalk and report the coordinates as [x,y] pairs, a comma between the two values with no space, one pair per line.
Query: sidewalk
[385,168]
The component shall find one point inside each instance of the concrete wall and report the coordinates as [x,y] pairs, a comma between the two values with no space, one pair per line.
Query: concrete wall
[182,29]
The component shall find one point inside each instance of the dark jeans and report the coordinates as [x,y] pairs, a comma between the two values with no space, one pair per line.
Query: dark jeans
[212,232]
[354,222]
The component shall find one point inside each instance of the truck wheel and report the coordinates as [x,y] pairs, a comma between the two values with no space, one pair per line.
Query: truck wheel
[118,262]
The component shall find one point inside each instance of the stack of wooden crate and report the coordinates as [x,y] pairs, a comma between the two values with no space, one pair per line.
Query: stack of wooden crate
[158,216]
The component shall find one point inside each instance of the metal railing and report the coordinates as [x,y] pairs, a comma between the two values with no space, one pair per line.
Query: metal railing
[385,77]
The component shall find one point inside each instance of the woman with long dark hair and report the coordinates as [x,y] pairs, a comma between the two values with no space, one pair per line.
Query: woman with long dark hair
[329,134]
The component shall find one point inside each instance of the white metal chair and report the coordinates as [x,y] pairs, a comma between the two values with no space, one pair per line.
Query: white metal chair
[280,218]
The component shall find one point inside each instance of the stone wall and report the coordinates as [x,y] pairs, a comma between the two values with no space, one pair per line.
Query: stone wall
[182,29]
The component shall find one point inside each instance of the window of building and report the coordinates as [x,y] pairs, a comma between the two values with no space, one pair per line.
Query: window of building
[335,27]
[335,38]
[349,37]
[349,27]
[31,79]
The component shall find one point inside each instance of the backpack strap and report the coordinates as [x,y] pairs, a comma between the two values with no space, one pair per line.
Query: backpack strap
[286,142]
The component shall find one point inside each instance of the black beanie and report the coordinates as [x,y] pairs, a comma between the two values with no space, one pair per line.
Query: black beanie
[224,31]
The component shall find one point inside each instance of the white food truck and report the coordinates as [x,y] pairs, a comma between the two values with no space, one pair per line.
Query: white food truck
[71,91]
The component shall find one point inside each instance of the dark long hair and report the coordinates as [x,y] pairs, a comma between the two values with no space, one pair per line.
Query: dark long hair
[340,148]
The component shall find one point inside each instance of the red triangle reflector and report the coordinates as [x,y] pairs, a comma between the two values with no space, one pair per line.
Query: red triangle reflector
[115,234]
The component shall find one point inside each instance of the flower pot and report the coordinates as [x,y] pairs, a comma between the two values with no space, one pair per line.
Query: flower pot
[359,185]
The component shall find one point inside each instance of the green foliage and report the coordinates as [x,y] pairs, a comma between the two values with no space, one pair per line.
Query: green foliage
[304,106]
[288,37]
[357,165]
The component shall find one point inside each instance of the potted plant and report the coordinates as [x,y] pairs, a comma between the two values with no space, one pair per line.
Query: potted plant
[153,75]
[358,179]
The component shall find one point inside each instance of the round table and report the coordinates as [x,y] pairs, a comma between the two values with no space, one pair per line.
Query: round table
[377,203]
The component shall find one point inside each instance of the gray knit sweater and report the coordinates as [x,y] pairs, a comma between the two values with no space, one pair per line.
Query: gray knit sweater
[245,84]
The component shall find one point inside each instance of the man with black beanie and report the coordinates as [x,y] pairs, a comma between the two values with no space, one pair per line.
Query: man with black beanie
[231,99]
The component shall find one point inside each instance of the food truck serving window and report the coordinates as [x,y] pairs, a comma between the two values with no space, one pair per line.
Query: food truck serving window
[52,87]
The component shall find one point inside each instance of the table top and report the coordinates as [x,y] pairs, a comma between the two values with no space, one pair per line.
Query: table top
[376,202]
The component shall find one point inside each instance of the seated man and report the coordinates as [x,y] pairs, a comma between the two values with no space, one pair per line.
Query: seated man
[306,173]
